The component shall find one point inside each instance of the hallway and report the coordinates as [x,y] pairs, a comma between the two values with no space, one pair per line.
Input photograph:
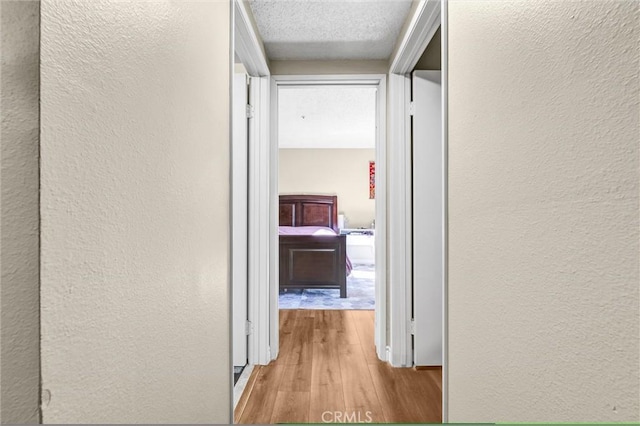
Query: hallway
[116,211]
[327,371]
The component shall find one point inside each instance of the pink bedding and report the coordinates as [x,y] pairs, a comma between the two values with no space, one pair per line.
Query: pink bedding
[312,230]
[305,230]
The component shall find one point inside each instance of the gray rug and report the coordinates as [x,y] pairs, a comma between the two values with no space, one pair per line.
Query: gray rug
[360,293]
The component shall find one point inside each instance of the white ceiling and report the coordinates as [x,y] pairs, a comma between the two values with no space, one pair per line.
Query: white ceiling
[326,117]
[329,29]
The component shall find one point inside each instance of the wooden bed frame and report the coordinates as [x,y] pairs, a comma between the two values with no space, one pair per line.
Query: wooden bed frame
[308,261]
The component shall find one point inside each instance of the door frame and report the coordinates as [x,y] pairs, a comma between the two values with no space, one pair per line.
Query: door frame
[247,43]
[248,46]
[428,16]
[396,341]
[259,224]
[423,25]
[378,81]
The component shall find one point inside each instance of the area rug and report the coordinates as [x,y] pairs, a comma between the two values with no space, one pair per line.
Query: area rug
[360,293]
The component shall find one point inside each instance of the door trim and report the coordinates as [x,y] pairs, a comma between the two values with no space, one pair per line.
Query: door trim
[429,15]
[248,45]
[423,25]
[259,220]
[365,80]
[400,224]
[445,207]
[249,48]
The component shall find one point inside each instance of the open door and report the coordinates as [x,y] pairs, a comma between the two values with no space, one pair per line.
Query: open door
[428,218]
[239,236]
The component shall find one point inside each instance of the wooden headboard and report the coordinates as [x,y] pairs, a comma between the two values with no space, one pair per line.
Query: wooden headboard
[309,210]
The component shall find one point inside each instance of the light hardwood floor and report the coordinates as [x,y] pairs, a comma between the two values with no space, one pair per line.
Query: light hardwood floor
[327,364]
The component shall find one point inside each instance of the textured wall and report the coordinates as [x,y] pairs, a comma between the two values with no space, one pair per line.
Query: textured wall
[135,200]
[341,172]
[543,219]
[20,358]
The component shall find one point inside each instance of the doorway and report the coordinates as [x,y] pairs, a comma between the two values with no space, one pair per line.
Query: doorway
[374,86]
[330,365]
[326,189]
[286,383]
[393,333]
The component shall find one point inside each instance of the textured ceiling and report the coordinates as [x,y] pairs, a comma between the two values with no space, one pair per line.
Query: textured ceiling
[329,29]
[326,117]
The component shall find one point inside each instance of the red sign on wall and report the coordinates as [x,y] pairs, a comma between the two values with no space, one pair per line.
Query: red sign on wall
[372,180]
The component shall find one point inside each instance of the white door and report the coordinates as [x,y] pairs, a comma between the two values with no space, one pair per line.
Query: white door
[428,222]
[239,165]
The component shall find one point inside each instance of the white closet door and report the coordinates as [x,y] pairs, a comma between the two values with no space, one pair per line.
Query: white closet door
[428,223]
[239,164]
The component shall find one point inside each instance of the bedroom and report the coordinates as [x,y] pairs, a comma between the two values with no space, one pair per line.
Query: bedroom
[327,178]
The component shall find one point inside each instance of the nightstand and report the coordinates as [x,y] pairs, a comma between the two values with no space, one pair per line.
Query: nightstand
[360,245]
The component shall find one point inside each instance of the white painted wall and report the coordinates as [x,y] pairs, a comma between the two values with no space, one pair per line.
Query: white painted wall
[135,211]
[543,211]
[328,67]
[341,172]
[19,241]
[431,58]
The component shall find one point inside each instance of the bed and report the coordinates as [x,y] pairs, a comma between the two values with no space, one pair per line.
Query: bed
[312,253]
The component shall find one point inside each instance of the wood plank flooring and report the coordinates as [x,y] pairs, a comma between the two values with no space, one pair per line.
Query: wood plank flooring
[328,371]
